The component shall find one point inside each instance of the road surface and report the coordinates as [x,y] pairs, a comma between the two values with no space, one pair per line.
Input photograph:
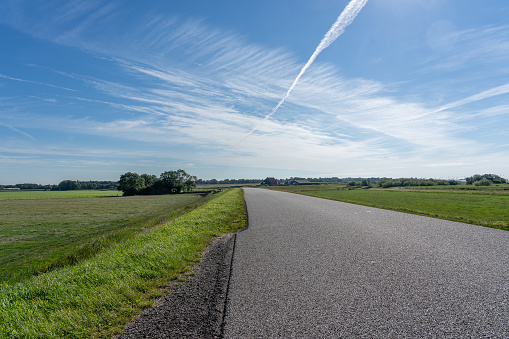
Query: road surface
[313,268]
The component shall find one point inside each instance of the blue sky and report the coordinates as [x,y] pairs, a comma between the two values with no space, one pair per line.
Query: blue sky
[93,89]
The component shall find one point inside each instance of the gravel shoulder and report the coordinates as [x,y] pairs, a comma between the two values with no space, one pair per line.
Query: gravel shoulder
[193,308]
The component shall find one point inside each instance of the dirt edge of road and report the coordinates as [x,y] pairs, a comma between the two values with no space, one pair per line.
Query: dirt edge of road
[193,308]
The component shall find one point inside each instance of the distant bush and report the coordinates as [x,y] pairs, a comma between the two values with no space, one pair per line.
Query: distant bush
[493,178]
[402,182]
[483,182]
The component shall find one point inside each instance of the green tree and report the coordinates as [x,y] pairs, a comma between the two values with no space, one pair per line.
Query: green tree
[493,178]
[130,183]
[69,185]
[190,183]
[169,180]
[148,179]
[472,179]
[177,181]
[496,179]
[352,184]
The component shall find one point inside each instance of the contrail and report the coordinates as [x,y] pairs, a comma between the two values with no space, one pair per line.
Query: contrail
[345,18]
[35,82]
[17,130]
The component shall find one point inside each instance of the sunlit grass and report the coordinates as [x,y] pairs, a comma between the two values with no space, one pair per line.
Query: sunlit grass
[95,298]
[479,207]
[38,235]
[8,195]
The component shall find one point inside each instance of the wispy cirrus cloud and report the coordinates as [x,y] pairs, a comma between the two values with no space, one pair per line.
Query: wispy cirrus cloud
[35,82]
[479,46]
[202,89]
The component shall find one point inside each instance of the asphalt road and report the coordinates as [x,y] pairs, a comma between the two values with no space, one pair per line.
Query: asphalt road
[314,268]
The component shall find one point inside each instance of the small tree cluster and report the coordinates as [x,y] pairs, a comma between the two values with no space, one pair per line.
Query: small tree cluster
[169,182]
[485,180]
[403,182]
[69,185]
[362,183]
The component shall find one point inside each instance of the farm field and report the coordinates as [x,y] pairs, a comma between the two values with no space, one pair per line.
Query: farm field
[13,195]
[95,298]
[38,235]
[474,206]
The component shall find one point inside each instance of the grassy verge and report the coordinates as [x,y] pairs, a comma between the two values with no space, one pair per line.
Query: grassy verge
[39,235]
[476,207]
[97,297]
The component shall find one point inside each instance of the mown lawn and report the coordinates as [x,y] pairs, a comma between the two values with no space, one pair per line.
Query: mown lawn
[96,297]
[8,195]
[473,207]
[38,235]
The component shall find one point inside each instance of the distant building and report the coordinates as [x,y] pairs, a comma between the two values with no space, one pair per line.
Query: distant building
[269,182]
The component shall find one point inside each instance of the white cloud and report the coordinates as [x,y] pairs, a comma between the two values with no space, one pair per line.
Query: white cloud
[475,46]
[187,85]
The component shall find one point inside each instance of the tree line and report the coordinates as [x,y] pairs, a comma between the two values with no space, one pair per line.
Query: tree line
[70,185]
[476,180]
[178,181]
[402,182]
[334,179]
[67,185]
[169,182]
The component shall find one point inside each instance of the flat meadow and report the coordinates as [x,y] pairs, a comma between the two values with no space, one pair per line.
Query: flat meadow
[484,206]
[38,194]
[41,231]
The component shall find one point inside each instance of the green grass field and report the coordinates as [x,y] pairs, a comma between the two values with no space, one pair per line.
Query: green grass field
[97,297]
[480,207]
[8,195]
[38,235]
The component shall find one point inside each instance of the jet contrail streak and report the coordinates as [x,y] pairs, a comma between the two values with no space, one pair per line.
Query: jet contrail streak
[345,18]
[17,130]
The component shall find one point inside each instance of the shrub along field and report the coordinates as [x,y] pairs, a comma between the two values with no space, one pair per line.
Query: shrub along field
[96,297]
[482,206]
[38,235]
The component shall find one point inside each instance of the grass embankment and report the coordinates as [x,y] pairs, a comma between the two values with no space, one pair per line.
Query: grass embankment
[39,235]
[95,298]
[479,207]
